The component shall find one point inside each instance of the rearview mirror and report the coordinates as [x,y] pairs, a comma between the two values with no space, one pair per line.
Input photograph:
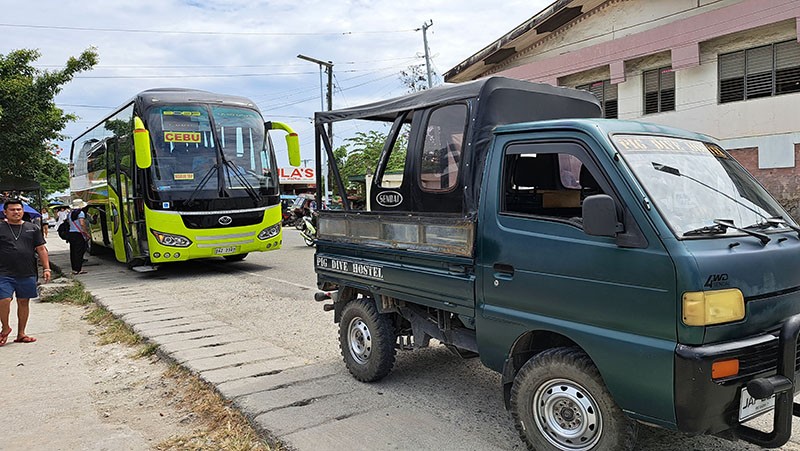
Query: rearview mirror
[141,144]
[600,216]
[292,141]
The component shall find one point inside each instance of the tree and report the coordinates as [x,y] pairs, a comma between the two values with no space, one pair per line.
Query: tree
[415,77]
[30,119]
[360,154]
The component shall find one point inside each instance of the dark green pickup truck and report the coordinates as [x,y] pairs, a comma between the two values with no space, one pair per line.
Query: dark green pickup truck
[613,272]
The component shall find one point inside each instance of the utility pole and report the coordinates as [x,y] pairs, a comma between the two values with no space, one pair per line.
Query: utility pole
[425,27]
[328,65]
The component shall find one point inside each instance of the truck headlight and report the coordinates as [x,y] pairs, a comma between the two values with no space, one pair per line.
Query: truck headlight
[269,232]
[168,239]
[703,308]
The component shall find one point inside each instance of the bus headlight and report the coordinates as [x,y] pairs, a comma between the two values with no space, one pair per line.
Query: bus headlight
[269,232]
[703,308]
[168,239]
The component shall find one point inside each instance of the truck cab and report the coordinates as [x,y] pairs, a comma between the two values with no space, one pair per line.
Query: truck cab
[565,251]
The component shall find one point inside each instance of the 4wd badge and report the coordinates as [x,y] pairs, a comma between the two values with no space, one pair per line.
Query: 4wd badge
[389,199]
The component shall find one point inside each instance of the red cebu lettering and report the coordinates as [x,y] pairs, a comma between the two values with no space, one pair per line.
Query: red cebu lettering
[181,137]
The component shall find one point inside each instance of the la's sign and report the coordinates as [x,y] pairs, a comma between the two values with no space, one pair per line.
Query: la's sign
[297,175]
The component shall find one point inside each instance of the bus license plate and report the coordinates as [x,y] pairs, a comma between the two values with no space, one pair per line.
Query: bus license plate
[224,250]
[750,407]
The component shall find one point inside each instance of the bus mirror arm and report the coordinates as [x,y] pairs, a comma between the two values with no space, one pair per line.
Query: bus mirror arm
[292,141]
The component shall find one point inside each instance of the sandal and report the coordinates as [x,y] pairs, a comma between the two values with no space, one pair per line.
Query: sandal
[78,272]
[4,337]
[25,339]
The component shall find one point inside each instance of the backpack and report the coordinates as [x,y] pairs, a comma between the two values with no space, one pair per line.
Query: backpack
[63,229]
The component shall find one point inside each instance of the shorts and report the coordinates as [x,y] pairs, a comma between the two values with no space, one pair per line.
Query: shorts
[25,287]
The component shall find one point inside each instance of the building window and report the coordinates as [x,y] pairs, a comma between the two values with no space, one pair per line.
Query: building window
[606,93]
[764,71]
[659,90]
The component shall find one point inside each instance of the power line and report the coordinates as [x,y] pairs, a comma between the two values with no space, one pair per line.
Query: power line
[211,33]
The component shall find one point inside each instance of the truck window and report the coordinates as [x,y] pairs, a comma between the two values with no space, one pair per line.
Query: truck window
[441,154]
[546,180]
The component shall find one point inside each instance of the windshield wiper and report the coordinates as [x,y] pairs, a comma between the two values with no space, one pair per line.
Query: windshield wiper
[729,224]
[675,171]
[202,183]
[779,221]
[241,178]
[715,229]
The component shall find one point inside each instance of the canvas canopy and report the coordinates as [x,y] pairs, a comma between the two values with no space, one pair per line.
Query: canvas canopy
[11,183]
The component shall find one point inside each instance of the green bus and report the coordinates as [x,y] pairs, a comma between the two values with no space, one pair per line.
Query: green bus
[180,174]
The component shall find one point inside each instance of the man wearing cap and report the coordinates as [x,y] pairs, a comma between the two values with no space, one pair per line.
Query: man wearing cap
[19,240]
[78,235]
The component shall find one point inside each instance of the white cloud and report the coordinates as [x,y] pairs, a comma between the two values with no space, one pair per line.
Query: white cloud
[370,42]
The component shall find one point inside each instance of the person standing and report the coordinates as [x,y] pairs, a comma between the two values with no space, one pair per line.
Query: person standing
[45,222]
[19,240]
[78,235]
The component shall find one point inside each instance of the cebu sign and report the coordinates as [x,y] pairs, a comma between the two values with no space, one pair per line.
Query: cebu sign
[297,175]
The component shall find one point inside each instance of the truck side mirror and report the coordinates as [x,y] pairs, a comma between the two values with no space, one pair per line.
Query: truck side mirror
[292,141]
[141,144]
[600,216]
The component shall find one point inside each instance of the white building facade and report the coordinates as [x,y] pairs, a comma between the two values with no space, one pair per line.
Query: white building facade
[726,68]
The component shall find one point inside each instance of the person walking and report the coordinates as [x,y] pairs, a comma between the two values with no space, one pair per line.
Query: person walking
[78,235]
[19,241]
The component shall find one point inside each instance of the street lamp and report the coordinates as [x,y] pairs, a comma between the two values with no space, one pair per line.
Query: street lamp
[328,65]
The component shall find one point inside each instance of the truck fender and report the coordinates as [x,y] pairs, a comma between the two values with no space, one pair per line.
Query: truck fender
[526,346]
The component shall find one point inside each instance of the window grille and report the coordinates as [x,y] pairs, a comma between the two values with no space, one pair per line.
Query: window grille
[762,71]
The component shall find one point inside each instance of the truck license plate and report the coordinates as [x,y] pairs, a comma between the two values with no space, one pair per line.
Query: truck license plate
[224,250]
[750,407]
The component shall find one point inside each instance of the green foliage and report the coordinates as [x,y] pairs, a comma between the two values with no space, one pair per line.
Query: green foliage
[29,118]
[360,155]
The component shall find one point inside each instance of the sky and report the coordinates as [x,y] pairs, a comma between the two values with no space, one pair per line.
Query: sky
[250,48]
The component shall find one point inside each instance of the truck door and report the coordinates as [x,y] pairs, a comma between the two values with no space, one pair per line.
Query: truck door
[540,271]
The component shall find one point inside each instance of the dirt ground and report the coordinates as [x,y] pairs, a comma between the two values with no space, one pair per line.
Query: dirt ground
[68,392]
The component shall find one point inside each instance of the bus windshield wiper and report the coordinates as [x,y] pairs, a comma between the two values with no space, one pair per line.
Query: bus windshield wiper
[202,183]
[729,224]
[241,178]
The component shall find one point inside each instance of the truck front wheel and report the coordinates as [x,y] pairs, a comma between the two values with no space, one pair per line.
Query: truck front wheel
[367,340]
[559,402]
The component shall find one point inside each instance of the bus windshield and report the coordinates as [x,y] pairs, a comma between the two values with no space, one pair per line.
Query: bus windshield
[694,183]
[202,150]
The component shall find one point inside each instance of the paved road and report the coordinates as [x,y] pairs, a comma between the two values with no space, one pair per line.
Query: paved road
[253,329]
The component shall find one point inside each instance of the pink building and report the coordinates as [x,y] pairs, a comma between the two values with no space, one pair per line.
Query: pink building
[727,68]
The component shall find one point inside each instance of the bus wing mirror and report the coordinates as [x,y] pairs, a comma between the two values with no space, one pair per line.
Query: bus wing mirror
[292,141]
[141,144]
[600,216]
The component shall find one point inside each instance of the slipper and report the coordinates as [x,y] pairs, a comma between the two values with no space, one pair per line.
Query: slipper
[25,339]
[78,272]
[4,337]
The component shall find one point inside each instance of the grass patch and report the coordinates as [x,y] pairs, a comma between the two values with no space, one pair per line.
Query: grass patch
[222,427]
[73,293]
[113,330]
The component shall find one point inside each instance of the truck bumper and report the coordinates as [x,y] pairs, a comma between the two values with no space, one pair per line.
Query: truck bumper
[768,365]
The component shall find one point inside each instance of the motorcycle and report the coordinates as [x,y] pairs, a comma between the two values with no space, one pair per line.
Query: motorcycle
[309,229]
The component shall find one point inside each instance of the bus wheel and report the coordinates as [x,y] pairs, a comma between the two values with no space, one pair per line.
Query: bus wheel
[367,340]
[235,258]
[559,401]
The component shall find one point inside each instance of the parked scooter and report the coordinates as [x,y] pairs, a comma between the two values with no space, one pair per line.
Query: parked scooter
[309,229]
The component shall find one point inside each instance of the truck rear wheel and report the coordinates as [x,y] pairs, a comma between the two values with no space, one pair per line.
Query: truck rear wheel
[367,340]
[559,402]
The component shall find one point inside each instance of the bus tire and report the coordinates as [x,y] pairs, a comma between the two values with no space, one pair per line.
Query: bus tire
[559,401]
[367,340]
[235,258]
